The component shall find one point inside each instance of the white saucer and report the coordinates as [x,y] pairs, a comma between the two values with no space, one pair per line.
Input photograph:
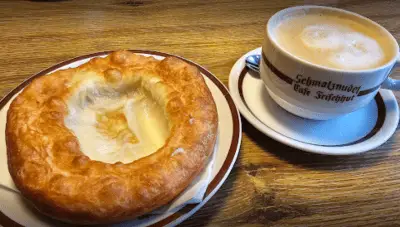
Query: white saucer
[353,133]
[14,211]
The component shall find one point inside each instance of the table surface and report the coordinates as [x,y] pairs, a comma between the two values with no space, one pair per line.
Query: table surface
[271,183]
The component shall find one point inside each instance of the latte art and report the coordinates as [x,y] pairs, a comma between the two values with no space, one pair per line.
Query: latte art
[321,37]
[332,41]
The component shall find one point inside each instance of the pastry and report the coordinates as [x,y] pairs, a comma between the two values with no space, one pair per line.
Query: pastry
[112,139]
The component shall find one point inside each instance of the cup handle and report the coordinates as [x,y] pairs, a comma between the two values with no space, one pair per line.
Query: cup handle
[389,83]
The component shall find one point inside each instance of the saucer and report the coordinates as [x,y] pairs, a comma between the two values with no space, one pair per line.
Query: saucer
[353,133]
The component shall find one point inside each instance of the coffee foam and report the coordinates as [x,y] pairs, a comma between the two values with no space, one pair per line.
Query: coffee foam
[321,37]
[331,41]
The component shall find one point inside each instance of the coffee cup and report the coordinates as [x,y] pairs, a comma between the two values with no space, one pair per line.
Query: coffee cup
[322,62]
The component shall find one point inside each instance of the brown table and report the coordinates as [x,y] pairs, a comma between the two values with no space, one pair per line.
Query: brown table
[271,184]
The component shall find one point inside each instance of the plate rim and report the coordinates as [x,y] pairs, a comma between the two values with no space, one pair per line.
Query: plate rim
[188,210]
[387,130]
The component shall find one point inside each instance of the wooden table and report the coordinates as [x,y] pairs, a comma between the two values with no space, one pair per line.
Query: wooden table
[271,184]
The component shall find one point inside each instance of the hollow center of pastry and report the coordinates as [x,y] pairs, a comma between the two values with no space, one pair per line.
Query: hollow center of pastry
[116,125]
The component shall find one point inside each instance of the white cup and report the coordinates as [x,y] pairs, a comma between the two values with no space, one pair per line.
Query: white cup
[293,82]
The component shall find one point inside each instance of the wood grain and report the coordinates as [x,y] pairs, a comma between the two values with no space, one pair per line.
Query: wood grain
[271,184]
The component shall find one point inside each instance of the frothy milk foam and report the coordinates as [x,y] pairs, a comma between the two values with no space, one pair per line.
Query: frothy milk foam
[333,41]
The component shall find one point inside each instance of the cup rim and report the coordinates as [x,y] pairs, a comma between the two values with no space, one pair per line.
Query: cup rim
[295,58]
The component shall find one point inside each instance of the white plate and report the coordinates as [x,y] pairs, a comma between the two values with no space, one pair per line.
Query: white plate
[353,133]
[13,210]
